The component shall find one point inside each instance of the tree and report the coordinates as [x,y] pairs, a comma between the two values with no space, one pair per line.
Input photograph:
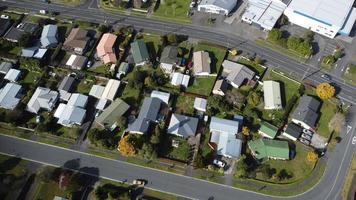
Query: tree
[325,91]
[283,174]
[309,36]
[149,82]
[241,167]
[198,160]
[312,156]
[155,138]
[253,98]
[172,38]
[337,122]
[267,171]
[337,54]
[180,51]
[233,52]
[25,40]
[245,131]
[103,28]
[121,122]
[258,60]
[274,35]
[305,49]
[293,42]
[147,151]
[127,146]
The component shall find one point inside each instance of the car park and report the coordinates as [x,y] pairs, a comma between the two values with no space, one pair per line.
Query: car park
[218,163]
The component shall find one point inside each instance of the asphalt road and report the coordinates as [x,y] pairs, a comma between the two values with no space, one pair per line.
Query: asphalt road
[338,160]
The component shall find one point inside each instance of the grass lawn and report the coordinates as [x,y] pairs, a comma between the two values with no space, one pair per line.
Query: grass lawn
[30,78]
[47,191]
[181,152]
[68,2]
[84,86]
[327,111]
[173,10]
[184,104]
[348,179]
[217,55]
[12,165]
[103,69]
[131,95]
[16,51]
[350,74]
[253,66]
[153,43]
[287,52]
[299,166]
[85,24]
[154,194]
[202,85]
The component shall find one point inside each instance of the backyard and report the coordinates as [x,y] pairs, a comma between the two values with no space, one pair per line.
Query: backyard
[202,85]
[217,55]
[176,10]
[184,105]
[47,191]
[177,153]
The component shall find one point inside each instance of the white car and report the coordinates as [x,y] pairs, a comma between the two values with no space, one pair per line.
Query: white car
[43,12]
[218,163]
[89,63]
[4,17]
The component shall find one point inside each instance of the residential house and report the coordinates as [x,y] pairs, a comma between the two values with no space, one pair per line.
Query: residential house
[44,99]
[169,59]
[163,96]
[111,89]
[10,96]
[76,41]
[264,149]
[16,32]
[105,49]
[268,130]
[139,52]
[183,126]
[33,52]
[101,104]
[272,95]
[221,7]
[70,115]
[179,79]
[97,91]
[149,113]
[306,114]
[220,87]
[201,63]
[108,118]
[200,104]
[4,25]
[12,75]
[292,132]
[49,36]
[237,74]
[224,137]
[264,13]
[78,100]
[5,67]
[65,87]
[76,61]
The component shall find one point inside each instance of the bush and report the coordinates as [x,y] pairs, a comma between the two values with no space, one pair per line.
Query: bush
[305,49]
[293,43]
[274,35]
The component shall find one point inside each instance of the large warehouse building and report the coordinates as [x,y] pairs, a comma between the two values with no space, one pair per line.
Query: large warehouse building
[326,17]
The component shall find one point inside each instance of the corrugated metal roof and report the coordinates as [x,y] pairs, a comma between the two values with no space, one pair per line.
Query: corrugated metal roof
[12,75]
[78,100]
[97,91]
[182,125]
[139,51]
[9,96]
[112,113]
[272,95]
[164,96]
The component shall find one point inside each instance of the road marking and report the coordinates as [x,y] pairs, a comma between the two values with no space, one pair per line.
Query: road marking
[354,140]
[348,129]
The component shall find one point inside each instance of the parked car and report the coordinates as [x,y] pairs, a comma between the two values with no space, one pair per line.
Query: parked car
[139,182]
[4,17]
[304,141]
[307,137]
[89,63]
[308,132]
[43,12]
[218,163]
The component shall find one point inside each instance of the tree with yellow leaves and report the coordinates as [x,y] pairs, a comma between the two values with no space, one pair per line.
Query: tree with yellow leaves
[312,156]
[233,52]
[325,91]
[127,146]
[245,131]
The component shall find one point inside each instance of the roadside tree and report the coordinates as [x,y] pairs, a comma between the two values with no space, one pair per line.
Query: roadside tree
[127,146]
[325,91]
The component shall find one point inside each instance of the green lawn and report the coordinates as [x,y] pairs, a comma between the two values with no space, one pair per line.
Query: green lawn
[258,69]
[181,152]
[287,52]
[202,85]
[154,39]
[290,87]
[173,10]
[131,95]
[350,74]
[85,24]
[217,54]
[47,191]
[16,51]
[84,86]
[68,2]
[185,105]
[348,179]
[30,78]
[299,166]
[103,69]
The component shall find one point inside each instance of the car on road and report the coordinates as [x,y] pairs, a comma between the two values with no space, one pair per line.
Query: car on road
[326,77]
[43,12]
[219,163]
[54,13]
[140,182]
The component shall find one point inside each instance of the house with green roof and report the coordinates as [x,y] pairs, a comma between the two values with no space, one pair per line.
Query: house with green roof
[267,130]
[123,69]
[264,149]
[108,118]
[139,52]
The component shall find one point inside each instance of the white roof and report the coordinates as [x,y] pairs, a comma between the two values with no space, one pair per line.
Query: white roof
[12,75]
[264,12]
[42,98]
[185,81]
[346,29]
[9,96]
[272,94]
[331,12]
[110,89]
[40,53]
[164,96]
[97,91]
[101,105]
[71,60]
[69,115]
[225,4]
[200,104]
[180,79]
[78,100]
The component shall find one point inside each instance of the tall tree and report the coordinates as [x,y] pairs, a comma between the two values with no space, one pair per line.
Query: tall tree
[325,91]
[127,146]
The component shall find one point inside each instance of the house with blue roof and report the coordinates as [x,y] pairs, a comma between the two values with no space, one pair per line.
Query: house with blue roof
[49,36]
[224,137]
[10,96]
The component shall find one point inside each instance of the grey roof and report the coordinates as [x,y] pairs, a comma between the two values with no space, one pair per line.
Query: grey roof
[148,113]
[97,91]
[112,113]
[225,4]
[169,55]
[78,100]
[67,83]
[237,73]
[4,25]
[139,51]
[306,110]
[224,125]
[101,104]
[49,35]
[294,130]
[16,32]
[164,96]
[124,67]
[182,125]
[29,52]
[10,96]
[42,98]
[69,115]
[5,67]
[12,75]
